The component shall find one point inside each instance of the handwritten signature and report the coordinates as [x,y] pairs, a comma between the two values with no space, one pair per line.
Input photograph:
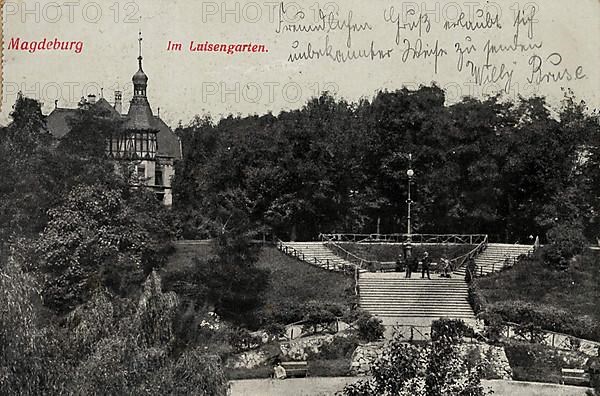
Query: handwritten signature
[540,75]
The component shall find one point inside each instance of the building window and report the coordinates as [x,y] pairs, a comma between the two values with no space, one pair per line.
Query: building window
[158,176]
[141,172]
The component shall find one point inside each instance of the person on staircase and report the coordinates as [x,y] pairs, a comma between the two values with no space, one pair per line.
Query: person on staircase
[446,267]
[409,261]
[400,262]
[426,260]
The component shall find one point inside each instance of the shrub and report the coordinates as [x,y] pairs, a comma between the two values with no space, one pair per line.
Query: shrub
[476,299]
[594,369]
[275,329]
[566,241]
[434,369]
[27,351]
[450,330]
[494,325]
[281,314]
[339,348]
[574,343]
[369,328]
[547,317]
[317,313]
[241,339]
[536,362]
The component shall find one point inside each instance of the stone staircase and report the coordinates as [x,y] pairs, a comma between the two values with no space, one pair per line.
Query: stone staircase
[495,257]
[316,253]
[415,301]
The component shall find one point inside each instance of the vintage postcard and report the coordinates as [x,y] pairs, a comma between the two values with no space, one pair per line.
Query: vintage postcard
[300,197]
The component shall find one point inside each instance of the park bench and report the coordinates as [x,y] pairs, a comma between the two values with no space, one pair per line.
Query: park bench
[570,376]
[387,266]
[295,369]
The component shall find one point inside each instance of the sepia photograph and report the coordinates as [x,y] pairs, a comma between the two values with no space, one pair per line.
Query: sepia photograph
[343,198]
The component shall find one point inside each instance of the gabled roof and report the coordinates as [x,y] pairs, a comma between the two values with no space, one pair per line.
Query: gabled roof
[168,143]
[103,105]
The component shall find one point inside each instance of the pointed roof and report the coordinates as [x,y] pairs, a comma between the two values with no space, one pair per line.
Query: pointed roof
[140,115]
[103,105]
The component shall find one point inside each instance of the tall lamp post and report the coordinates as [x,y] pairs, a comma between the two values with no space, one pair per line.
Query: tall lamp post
[410,173]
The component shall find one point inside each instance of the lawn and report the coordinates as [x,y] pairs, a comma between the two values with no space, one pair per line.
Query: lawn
[575,291]
[291,282]
[294,282]
[185,251]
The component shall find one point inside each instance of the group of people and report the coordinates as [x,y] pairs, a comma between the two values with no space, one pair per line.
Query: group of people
[411,263]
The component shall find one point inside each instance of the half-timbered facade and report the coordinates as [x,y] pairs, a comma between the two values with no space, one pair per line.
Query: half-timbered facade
[146,142]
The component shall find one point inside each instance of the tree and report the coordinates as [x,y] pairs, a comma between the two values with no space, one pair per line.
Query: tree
[134,354]
[99,237]
[488,166]
[27,189]
[28,363]
[566,240]
[228,282]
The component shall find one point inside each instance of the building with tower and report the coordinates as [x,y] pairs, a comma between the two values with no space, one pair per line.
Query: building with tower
[146,142]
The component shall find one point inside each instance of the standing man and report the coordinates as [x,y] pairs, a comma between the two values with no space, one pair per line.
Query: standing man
[400,261]
[409,259]
[426,262]
[446,267]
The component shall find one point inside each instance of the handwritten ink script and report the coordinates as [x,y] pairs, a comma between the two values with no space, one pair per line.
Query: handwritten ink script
[485,46]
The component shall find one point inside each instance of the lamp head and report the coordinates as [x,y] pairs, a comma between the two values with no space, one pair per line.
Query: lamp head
[410,173]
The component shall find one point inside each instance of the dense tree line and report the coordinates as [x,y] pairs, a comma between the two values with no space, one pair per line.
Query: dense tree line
[508,169]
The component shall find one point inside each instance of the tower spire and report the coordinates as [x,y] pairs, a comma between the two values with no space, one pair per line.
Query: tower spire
[140,49]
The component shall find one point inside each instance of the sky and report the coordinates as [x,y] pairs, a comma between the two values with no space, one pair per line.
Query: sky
[395,44]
